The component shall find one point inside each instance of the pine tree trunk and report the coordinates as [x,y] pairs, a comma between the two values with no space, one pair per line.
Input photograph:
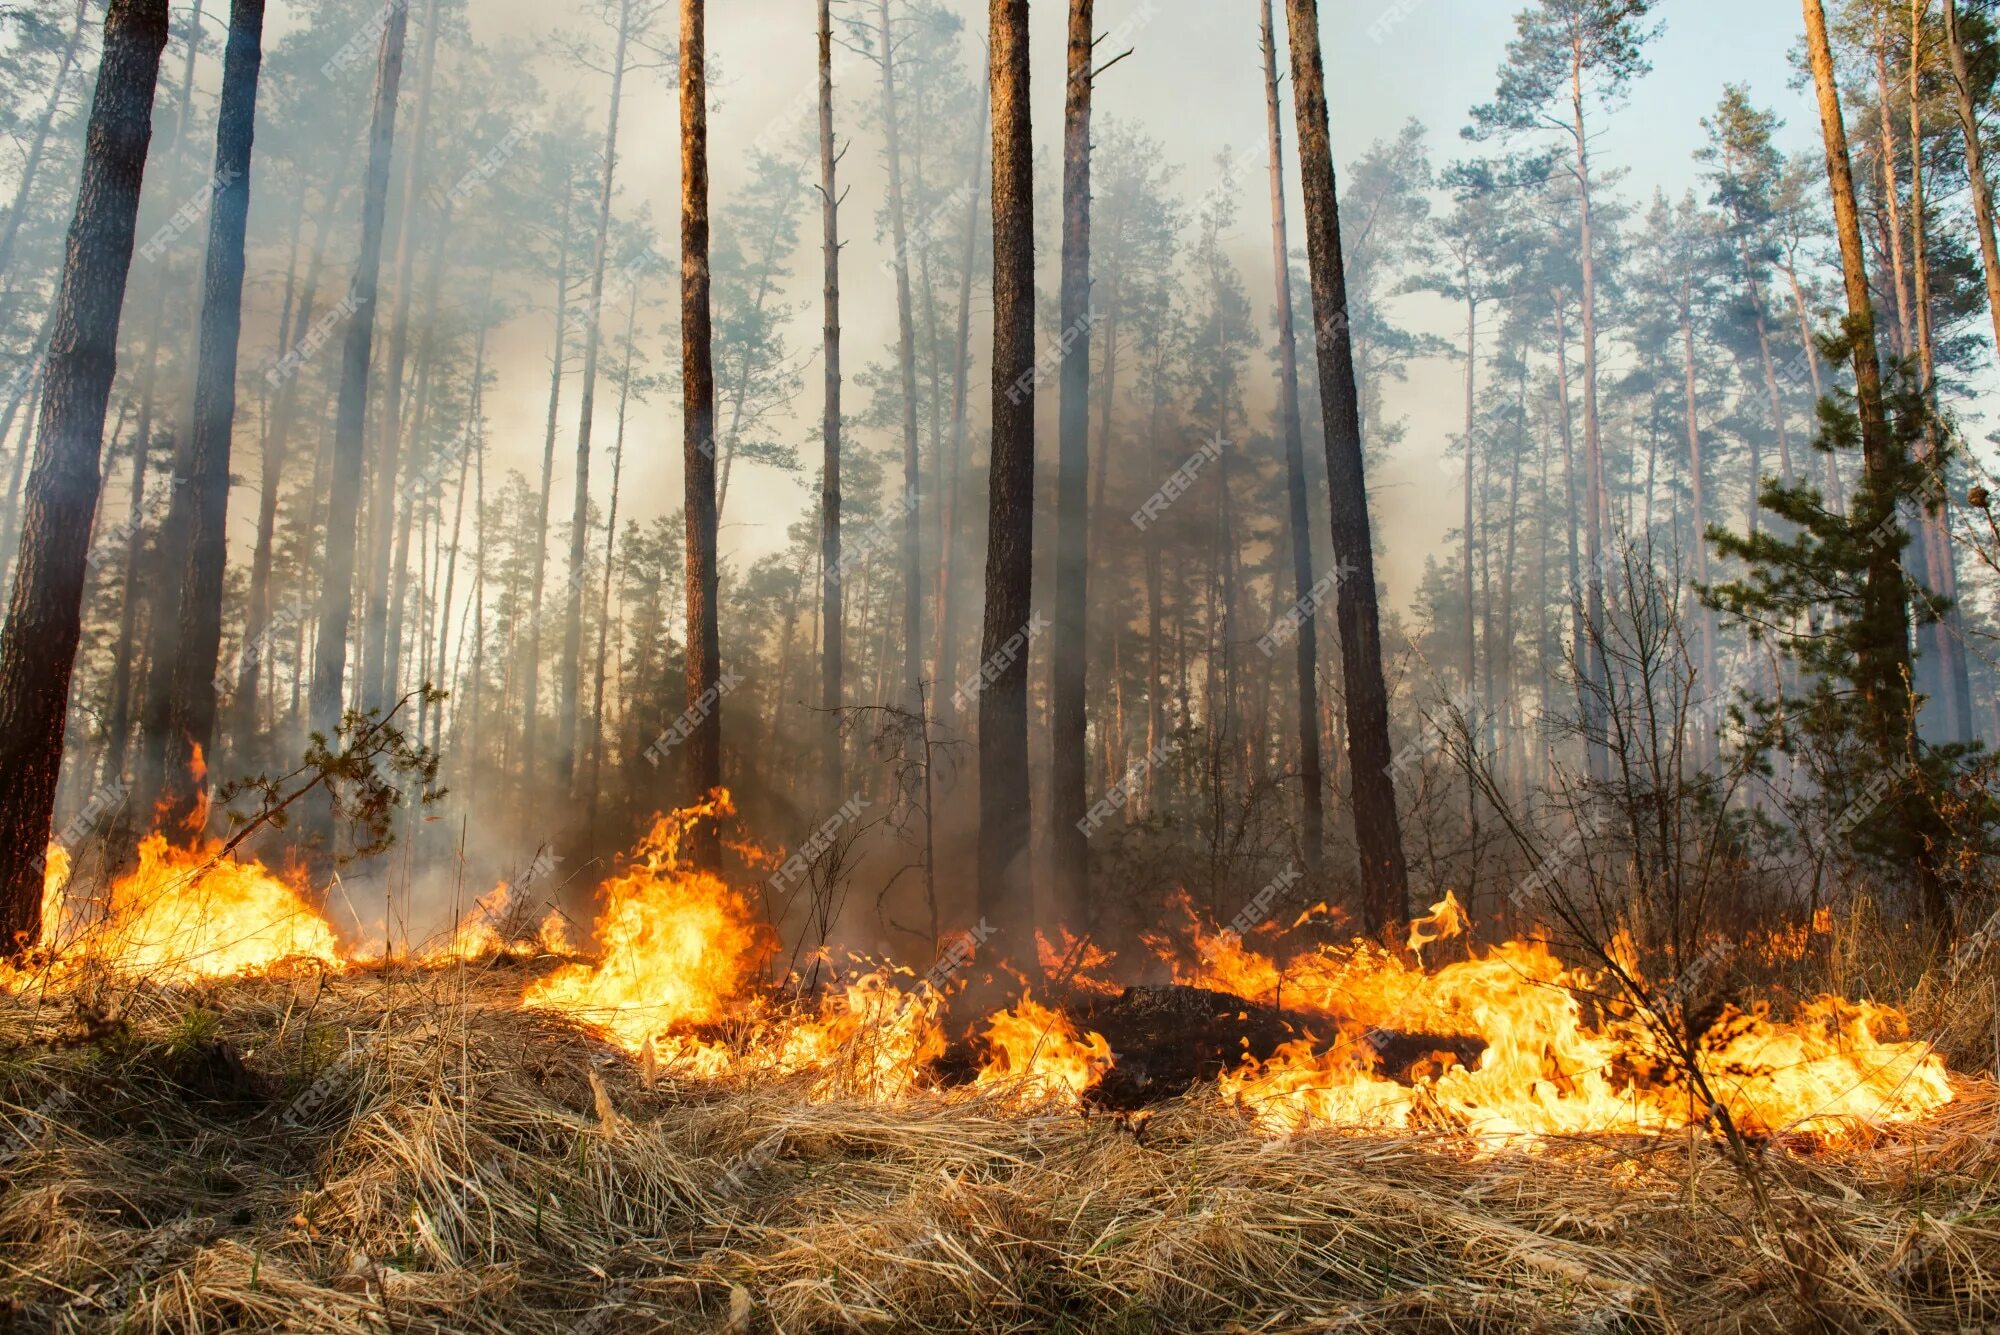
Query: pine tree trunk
[532,687]
[906,355]
[1068,735]
[1885,658]
[1698,488]
[944,705]
[44,618]
[1945,634]
[1597,516]
[568,695]
[704,647]
[376,686]
[191,720]
[593,788]
[1975,166]
[832,646]
[1006,899]
[336,608]
[1378,836]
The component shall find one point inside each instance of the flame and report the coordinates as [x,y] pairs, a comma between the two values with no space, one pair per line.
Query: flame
[1446,918]
[491,927]
[1036,1054]
[174,918]
[676,944]
[1546,1066]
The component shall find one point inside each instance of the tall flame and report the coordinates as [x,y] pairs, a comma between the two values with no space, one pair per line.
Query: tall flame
[175,918]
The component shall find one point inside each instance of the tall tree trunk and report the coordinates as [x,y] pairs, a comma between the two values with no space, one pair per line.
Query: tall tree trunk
[832,645]
[1945,634]
[1006,899]
[1975,166]
[1068,727]
[704,646]
[1892,225]
[1378,836]
[906,353]
[594,786]
[1597,517]
[532,687]
[1465,559]
[1698,487]
[568,695]
[45,610]
[198,643]
[376,685]
[1884,659]
[276,452]
[414,463]
[336,607]
[945,702]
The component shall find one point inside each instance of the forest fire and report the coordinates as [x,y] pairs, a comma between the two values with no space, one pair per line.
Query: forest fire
[1507,1047]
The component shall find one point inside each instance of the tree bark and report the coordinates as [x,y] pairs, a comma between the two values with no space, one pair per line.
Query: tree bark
[1975,166]
[704,647]
[1596,520]
[832,642]
[1068,725]
[45,610]
[198,642]
[1006,900]
[1885,660]
[336,608]
[1378,836]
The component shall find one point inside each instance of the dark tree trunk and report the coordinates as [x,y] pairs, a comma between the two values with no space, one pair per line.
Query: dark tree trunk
[704,646]
[198,642]
[336,608]
[45,610]
[1068,726]
[1378,836]
[831,644]
[1006,884]
[531,711]
[1307,645]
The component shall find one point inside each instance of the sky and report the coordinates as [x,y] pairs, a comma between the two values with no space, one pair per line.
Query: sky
[1194,80]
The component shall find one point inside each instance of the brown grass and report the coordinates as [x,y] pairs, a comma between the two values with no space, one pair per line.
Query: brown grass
[223,1159]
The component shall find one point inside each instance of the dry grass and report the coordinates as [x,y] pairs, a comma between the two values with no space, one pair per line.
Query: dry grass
[474,1168]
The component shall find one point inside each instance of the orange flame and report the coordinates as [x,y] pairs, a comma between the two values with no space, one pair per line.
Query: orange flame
[176,919]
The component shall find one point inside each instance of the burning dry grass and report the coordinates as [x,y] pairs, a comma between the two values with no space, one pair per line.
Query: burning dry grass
[373,1150]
